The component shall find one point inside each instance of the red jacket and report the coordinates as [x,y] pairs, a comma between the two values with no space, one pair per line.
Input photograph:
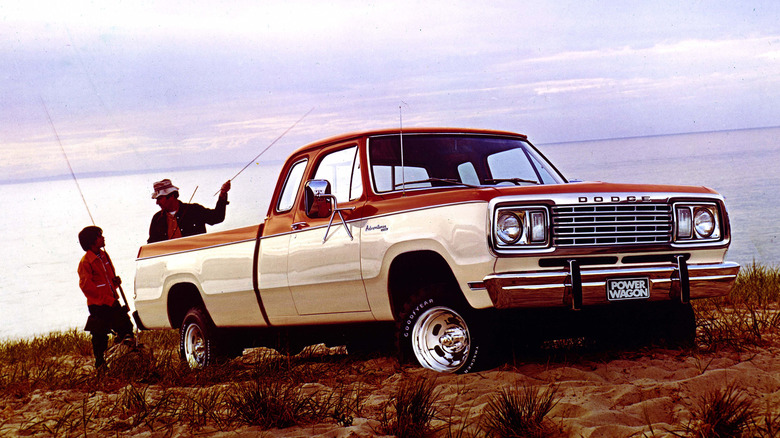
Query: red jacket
[96,279]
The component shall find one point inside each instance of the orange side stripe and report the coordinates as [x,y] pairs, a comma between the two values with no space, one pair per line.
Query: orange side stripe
[198,242]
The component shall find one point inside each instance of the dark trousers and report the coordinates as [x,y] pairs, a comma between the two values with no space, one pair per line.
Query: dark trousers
[104,320]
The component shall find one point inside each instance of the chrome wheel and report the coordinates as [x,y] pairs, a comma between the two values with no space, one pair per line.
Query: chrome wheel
[195,349]
[440,340]
[197,339]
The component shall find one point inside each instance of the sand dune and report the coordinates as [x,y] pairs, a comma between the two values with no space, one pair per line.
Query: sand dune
[644,393]
[647,392]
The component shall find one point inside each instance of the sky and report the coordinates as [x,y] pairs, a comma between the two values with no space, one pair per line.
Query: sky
[136,85]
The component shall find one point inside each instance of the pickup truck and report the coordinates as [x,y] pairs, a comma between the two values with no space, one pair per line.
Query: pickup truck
[449,236]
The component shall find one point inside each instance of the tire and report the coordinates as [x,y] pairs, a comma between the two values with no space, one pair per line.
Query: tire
[441,336]
[198,339]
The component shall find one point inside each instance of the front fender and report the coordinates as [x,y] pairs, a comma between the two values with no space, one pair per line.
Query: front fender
[457,233]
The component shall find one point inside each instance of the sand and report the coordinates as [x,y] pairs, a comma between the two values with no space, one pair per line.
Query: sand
[645,392]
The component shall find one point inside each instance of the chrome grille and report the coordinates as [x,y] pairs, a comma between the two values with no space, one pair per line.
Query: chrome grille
[611,224]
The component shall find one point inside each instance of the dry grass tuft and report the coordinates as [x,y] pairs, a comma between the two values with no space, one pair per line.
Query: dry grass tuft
[521,411]
[743,318]
[727,412]
[410,410]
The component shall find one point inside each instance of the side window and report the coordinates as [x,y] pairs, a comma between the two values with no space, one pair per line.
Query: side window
[291,186]
[342,170]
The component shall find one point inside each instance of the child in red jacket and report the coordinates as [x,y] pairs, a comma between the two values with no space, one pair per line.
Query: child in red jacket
[99,282]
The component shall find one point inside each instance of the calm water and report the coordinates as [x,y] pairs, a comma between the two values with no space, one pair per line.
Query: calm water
[39,289]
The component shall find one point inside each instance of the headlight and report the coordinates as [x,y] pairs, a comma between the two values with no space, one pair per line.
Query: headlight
[696,223]
[509,228]
[521,227]
[703,222]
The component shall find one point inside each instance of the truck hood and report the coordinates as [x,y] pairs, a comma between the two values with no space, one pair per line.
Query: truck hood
[580,192]
[602,187]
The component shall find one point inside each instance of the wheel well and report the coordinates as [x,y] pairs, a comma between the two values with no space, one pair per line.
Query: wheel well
[181,298]
[411,271]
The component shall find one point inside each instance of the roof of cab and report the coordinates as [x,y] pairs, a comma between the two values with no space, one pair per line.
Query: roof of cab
[420,130]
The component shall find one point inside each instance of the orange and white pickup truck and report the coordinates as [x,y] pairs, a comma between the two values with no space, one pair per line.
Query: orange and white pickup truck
[461,240]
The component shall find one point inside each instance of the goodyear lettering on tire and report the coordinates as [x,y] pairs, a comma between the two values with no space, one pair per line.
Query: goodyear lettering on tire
[413,315]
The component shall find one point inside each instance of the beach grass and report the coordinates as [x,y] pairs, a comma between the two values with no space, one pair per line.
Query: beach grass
[757,283]
[521,411]
[742,319]
[729,412]
[411,410]
[150,389]
[145,392]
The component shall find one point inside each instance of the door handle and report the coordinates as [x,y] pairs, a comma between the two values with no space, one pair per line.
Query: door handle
[299,225]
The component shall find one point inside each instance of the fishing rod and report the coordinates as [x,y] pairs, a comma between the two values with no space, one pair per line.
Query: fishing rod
[268,147]
[73,174]
[121,291]
[193,193]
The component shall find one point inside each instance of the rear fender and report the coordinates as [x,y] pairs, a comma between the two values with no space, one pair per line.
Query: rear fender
[181,296]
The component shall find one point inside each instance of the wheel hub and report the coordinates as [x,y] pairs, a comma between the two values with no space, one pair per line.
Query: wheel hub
[441,340]
[195,347]
[454,340]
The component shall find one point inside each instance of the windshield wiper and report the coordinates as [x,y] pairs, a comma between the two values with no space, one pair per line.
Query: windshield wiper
[515,181]
[453,182]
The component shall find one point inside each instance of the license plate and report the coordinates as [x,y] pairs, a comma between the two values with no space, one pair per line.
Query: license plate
[620,289]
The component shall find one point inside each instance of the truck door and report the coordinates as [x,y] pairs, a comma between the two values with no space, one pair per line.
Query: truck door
[324,271]
[275,296]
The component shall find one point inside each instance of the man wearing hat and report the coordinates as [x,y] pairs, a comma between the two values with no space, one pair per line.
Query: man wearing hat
[177,219]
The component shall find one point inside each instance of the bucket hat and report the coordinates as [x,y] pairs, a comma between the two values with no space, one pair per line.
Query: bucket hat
[162,188]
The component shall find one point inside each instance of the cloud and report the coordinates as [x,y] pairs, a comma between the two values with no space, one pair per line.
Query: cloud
[773,56]
[671,53]
[571,85]
[151,83]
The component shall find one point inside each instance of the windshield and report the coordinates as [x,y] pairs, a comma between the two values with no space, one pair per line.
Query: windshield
[438,160]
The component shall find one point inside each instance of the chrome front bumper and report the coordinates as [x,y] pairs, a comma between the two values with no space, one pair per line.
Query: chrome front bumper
[576,287]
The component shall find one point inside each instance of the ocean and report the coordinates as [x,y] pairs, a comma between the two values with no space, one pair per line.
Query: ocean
[39,290]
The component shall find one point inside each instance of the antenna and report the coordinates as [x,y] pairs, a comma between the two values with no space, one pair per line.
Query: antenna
[401,137]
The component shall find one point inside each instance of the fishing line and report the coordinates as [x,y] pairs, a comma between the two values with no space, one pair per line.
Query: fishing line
[67,160]
[269,146]
[73,174]
[99,97]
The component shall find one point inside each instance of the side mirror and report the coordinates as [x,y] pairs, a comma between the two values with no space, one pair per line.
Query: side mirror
[318,199]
